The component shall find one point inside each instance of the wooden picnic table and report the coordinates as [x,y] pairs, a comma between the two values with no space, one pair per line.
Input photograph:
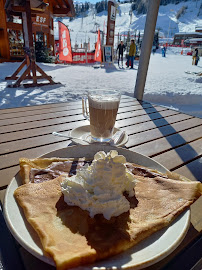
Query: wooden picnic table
[168,136]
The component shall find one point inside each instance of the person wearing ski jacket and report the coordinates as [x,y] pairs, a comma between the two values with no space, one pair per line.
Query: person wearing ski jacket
[120,49]
[132,53]
[196,57]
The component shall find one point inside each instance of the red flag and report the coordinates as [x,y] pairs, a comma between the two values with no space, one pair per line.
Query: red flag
[65,50]
[98,51]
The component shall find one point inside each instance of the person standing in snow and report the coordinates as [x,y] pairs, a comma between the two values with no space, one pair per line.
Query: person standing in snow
[164,51]
[195,57]
[120,50]
[132,53]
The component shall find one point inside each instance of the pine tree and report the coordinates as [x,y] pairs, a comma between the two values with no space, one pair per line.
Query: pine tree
[156,40]
[42,53]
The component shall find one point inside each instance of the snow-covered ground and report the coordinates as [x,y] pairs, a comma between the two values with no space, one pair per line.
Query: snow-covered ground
[167,83]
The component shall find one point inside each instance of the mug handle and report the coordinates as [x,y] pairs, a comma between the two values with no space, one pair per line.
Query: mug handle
[85,109]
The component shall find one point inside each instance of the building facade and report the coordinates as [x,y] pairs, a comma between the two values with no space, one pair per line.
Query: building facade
[11,32]
[179,38]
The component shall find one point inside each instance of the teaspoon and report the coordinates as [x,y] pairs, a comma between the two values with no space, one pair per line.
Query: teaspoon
[70,137]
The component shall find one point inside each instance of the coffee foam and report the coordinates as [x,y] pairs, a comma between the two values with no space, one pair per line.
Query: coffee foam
[99,102]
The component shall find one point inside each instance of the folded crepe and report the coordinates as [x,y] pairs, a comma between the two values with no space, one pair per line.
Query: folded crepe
[44,169]
[72,238]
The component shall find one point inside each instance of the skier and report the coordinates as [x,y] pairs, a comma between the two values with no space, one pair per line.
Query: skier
[132,53]
[164,51]
[120,50]
[195,57]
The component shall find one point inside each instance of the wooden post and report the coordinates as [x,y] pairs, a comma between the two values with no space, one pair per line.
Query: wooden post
[146,48]
[27,27]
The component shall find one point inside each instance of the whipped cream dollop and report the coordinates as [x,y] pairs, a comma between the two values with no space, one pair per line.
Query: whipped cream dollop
[99,187]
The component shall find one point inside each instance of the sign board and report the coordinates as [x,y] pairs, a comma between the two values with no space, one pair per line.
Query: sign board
[113,13]
[80,57]
[108,55]
[77,57]
[111,23]
[41,19]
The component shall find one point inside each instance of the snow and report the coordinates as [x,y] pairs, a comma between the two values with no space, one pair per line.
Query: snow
[81,29]
[167,83]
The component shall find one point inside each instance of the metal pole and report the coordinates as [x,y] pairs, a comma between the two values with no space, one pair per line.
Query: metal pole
[146,47]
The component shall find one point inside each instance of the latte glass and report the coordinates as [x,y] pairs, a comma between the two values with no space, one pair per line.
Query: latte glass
[101,107]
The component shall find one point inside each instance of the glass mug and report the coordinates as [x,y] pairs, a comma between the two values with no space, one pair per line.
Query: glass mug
[101,107]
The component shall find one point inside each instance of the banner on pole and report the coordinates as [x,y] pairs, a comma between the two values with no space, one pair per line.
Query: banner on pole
[98,51]
[65,50]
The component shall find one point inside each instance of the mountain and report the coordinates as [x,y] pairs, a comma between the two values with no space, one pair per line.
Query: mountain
[172,18]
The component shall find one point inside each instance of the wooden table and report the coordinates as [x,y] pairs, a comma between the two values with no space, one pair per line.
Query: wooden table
[172,138]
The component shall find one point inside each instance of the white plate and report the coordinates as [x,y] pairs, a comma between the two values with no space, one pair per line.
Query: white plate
[147,252]
[83,132]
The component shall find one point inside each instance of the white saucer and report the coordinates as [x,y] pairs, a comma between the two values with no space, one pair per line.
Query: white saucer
[83,132]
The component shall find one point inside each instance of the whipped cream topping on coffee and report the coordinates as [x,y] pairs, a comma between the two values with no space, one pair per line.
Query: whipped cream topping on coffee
[99,187]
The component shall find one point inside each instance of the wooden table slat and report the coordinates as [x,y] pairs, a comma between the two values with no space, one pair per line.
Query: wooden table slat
[178,156]
[51,114]
[145,118]
[160,145]
[64,107]
[129,101]
[29,133]
[133,139]
[42,121]
[172,122]
[6,137]
[166,134]
[35,124]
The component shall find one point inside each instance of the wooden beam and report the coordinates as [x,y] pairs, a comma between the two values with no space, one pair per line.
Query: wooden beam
[18,9]
[37,10]
[14,26]
[146,48]
[58,3]
[61,11]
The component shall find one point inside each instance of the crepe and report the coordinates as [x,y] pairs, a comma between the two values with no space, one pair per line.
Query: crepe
[43,169]
[72,238]
[47,168]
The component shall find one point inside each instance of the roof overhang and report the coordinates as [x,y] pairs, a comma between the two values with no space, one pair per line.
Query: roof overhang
[64,8]
[61,8]
[20,3]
